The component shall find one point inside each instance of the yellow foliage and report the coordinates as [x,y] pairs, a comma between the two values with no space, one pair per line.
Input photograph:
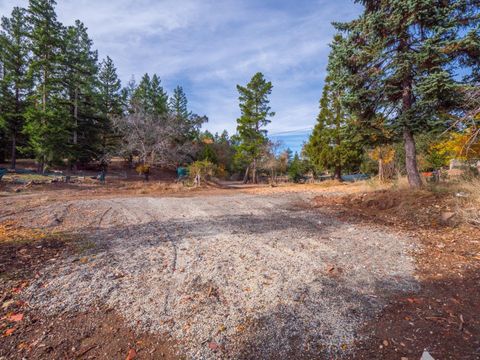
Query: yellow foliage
[385,153]
[142,169]
[459,146]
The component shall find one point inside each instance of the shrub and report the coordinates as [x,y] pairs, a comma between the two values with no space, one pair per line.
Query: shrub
[203,169]
[143,169]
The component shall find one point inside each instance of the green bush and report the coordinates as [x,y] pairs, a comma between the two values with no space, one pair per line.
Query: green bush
[296,170]
[204,168]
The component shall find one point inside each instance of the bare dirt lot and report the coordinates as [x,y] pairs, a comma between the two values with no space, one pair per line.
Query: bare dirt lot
[245,273]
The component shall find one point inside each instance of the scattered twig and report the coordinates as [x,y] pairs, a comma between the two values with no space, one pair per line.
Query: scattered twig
[86,351]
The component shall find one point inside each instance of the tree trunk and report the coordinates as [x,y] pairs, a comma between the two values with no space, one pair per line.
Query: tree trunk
[14,132]
[338,173]
[245,177]
[14,150]
[409,142]
[381,170]
[411,160]
[75,134]
[254,172]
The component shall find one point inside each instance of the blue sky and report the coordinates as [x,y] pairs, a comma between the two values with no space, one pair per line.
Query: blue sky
[209,46]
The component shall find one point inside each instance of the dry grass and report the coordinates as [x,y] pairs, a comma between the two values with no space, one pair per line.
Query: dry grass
[10,232]
[467,196]
[374,184]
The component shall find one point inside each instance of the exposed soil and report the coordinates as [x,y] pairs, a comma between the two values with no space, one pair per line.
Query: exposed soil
[256,272]
[444,315]
[233,275]
[99,333]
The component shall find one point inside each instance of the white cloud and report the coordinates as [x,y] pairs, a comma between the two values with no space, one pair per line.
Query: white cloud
[209,46]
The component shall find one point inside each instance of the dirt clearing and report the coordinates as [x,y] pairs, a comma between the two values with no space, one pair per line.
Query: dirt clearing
[232,275]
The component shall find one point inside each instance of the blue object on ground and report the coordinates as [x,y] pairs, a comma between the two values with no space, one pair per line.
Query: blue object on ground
[182,172]
[3,171]
[355,177]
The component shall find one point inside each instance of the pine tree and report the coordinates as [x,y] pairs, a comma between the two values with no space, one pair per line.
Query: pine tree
[109,87]
[296,170]
[158,96]
[79,78]
[178,107]
[179,104]
[15,83]
[109,95]
[3,110]
[141,94]
[151,96]
[255,115]
[127,96]
[333,145]
[46,119]
[398,62]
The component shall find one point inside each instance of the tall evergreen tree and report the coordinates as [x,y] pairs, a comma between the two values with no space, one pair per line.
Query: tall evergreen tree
[151,96]
[141,94]
[255,115]
[158,96]
[333,144]
[399,60]
[15,83]
[109,94]
[179,103]
[3,132]
[46,119]
[79,78]
[178,107]
[126,96]
[109,87]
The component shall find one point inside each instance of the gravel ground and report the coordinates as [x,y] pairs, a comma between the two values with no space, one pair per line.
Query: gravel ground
[225,276]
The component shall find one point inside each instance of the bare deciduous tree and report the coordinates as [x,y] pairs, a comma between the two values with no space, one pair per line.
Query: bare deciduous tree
[157,139]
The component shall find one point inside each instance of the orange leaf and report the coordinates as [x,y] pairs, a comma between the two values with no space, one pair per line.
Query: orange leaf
[132,354]
[16,317]
[8,332]
[23,346]
[414,300]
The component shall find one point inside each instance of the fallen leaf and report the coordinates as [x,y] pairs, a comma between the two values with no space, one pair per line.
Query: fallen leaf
[414,300]
[8,332]
[132,354]
[23,346]
[6,304]
[15,317]
[240,328]
[213,346]
[19,288]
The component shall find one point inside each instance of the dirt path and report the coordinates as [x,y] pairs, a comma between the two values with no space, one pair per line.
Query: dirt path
[228,275]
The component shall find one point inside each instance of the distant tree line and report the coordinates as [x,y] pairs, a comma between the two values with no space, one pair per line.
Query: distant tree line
[63,106]
[401,95]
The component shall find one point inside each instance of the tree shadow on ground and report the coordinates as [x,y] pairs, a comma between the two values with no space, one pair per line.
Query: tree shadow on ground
[443,317]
